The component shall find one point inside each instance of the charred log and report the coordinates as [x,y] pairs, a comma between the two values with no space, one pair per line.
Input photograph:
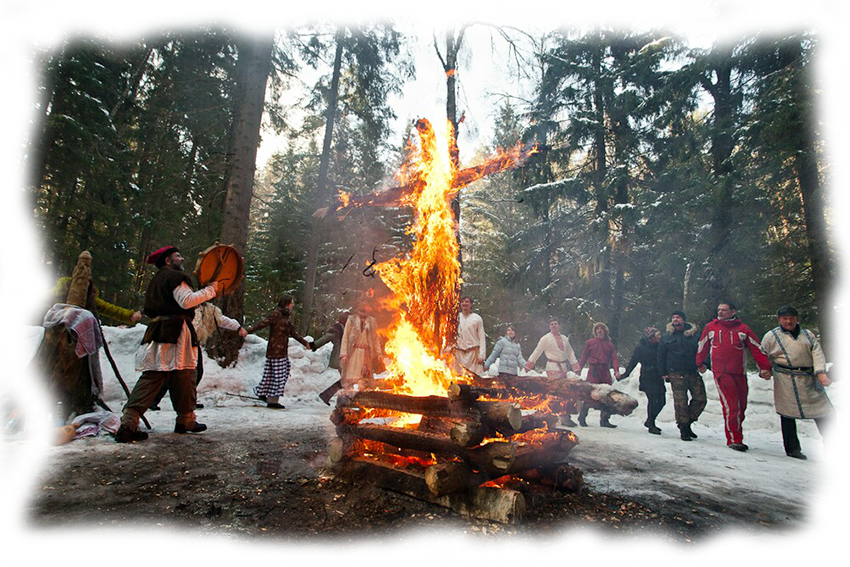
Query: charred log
[600,396]
[493,504]
[451,477]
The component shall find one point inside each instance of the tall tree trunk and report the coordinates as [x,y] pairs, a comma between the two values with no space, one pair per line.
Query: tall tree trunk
[453,45]
[254,65]
[601,194]
[321,196]
[722,145]
[805,165]
[449,62]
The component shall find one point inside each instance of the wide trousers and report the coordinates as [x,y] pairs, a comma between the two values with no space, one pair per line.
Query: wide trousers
[789,431]
[181,386]
[733,390]
[683,387]
[200,374]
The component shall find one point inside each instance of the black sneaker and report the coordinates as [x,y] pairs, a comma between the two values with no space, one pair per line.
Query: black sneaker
[738,447]
[275,405]
[199,406]
[607,424]
[154,408]
[195,427]
[797,455]
[127,435]
[654,430]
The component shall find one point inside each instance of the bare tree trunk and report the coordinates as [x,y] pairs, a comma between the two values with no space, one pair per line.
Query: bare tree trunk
[254,66]
[321,196]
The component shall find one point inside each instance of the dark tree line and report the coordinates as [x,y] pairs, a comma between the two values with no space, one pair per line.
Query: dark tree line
[673,176]
[678,177]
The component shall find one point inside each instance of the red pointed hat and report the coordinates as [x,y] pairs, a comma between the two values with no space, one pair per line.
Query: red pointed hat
[158,258]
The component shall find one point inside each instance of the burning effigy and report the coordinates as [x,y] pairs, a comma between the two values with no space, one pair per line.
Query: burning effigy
[459,440]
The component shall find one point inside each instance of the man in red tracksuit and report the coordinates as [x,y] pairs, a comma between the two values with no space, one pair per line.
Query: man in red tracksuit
[727,339]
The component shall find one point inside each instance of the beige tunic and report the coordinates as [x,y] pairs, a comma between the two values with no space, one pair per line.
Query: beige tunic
[797,395]
[557,360]
[471,343]
[360,346]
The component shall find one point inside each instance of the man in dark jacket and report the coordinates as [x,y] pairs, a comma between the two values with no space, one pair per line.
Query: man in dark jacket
[169,350]
[677,353]
[332,335]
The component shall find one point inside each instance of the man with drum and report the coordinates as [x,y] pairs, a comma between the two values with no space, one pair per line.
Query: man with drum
[168,353]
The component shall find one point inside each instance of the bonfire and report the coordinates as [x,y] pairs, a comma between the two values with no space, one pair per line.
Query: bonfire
[457,439]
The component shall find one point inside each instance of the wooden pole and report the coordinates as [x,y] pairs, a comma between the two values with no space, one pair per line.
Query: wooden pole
[115,369]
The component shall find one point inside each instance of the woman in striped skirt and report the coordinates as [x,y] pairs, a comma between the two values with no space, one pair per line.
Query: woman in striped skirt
[276,370]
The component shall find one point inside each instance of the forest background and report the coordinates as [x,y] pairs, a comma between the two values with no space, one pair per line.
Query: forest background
[677,172]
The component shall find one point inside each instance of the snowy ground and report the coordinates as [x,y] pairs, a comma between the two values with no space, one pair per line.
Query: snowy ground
[702,478]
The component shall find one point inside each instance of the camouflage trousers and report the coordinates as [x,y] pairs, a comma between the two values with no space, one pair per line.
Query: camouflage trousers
[683,385]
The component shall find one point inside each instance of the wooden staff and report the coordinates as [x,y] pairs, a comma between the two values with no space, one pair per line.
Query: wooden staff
[115,369]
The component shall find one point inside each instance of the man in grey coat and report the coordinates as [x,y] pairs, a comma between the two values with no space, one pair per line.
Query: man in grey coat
[799,377]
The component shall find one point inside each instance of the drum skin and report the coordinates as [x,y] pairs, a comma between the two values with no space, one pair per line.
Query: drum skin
[223,263]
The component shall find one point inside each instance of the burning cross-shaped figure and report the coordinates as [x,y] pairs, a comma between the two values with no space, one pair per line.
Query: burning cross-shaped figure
[426,283]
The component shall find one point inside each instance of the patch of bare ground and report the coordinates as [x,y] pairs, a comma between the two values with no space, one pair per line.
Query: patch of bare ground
[258,484]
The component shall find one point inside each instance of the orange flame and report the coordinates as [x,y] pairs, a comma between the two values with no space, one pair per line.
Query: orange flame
[344,199]
[425,283]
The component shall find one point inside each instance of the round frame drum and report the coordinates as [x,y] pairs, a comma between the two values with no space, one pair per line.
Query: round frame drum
[223,263]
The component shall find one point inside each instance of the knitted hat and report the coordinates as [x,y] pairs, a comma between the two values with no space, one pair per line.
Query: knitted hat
[680,314]
[158,258]
[649,332]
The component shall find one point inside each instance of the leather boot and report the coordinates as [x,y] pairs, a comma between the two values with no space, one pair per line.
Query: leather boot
[690,431]
[127,435]
[193,427]
[683,432]
[603,422]
[582,417]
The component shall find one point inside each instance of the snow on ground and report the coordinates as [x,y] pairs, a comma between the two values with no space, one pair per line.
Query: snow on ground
[626,460]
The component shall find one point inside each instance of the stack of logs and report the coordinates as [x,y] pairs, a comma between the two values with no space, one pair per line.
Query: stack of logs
[469,446]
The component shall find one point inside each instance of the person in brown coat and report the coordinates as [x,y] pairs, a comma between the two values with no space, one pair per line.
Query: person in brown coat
[276,370]
[600,355]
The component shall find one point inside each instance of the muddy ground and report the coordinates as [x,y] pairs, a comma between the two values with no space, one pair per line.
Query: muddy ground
[244,480]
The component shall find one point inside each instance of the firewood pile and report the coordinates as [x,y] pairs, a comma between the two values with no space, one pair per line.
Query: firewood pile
[475,450]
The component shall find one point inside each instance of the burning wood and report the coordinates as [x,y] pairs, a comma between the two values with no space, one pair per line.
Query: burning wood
[404,432]
[405,194]
[601,396]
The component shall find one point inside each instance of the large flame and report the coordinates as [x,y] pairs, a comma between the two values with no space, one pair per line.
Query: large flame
[425,283]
